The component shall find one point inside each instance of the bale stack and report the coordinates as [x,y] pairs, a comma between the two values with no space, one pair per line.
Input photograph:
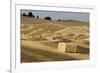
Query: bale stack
[67,47]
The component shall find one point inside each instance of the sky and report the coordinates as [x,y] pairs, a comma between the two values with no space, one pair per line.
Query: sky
[55,15]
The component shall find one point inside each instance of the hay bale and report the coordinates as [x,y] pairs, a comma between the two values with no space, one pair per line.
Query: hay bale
[62,47]
[71,47]
[67,47]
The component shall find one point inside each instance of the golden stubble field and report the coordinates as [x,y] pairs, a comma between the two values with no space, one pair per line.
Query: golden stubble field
[52,40]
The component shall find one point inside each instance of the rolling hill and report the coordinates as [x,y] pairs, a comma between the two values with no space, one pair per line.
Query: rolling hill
[49,33]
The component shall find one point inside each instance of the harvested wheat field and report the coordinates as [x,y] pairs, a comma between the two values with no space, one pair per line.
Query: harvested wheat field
[44,40]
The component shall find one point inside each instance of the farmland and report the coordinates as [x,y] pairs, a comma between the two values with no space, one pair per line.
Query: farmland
[40,39]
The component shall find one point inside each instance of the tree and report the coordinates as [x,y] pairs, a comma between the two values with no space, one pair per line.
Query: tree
[47,18]
[30,14]
[24,14]
[59,19]
[37,16]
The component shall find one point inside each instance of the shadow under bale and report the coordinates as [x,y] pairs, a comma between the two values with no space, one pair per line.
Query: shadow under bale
[82,50]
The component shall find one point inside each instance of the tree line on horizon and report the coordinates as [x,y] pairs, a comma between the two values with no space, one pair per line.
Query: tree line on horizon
[32,15]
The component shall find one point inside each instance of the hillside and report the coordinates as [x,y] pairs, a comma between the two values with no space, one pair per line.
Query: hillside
[49,33]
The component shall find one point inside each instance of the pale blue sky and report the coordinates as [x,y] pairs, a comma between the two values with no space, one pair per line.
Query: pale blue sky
[55,15]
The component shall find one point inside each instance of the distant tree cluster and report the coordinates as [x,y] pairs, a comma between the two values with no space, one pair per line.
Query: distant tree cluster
[30,14]
[59,19]
[37,16]
[24,14]
[47,18]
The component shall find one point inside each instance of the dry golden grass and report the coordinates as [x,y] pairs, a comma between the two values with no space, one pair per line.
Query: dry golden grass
[40,38]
